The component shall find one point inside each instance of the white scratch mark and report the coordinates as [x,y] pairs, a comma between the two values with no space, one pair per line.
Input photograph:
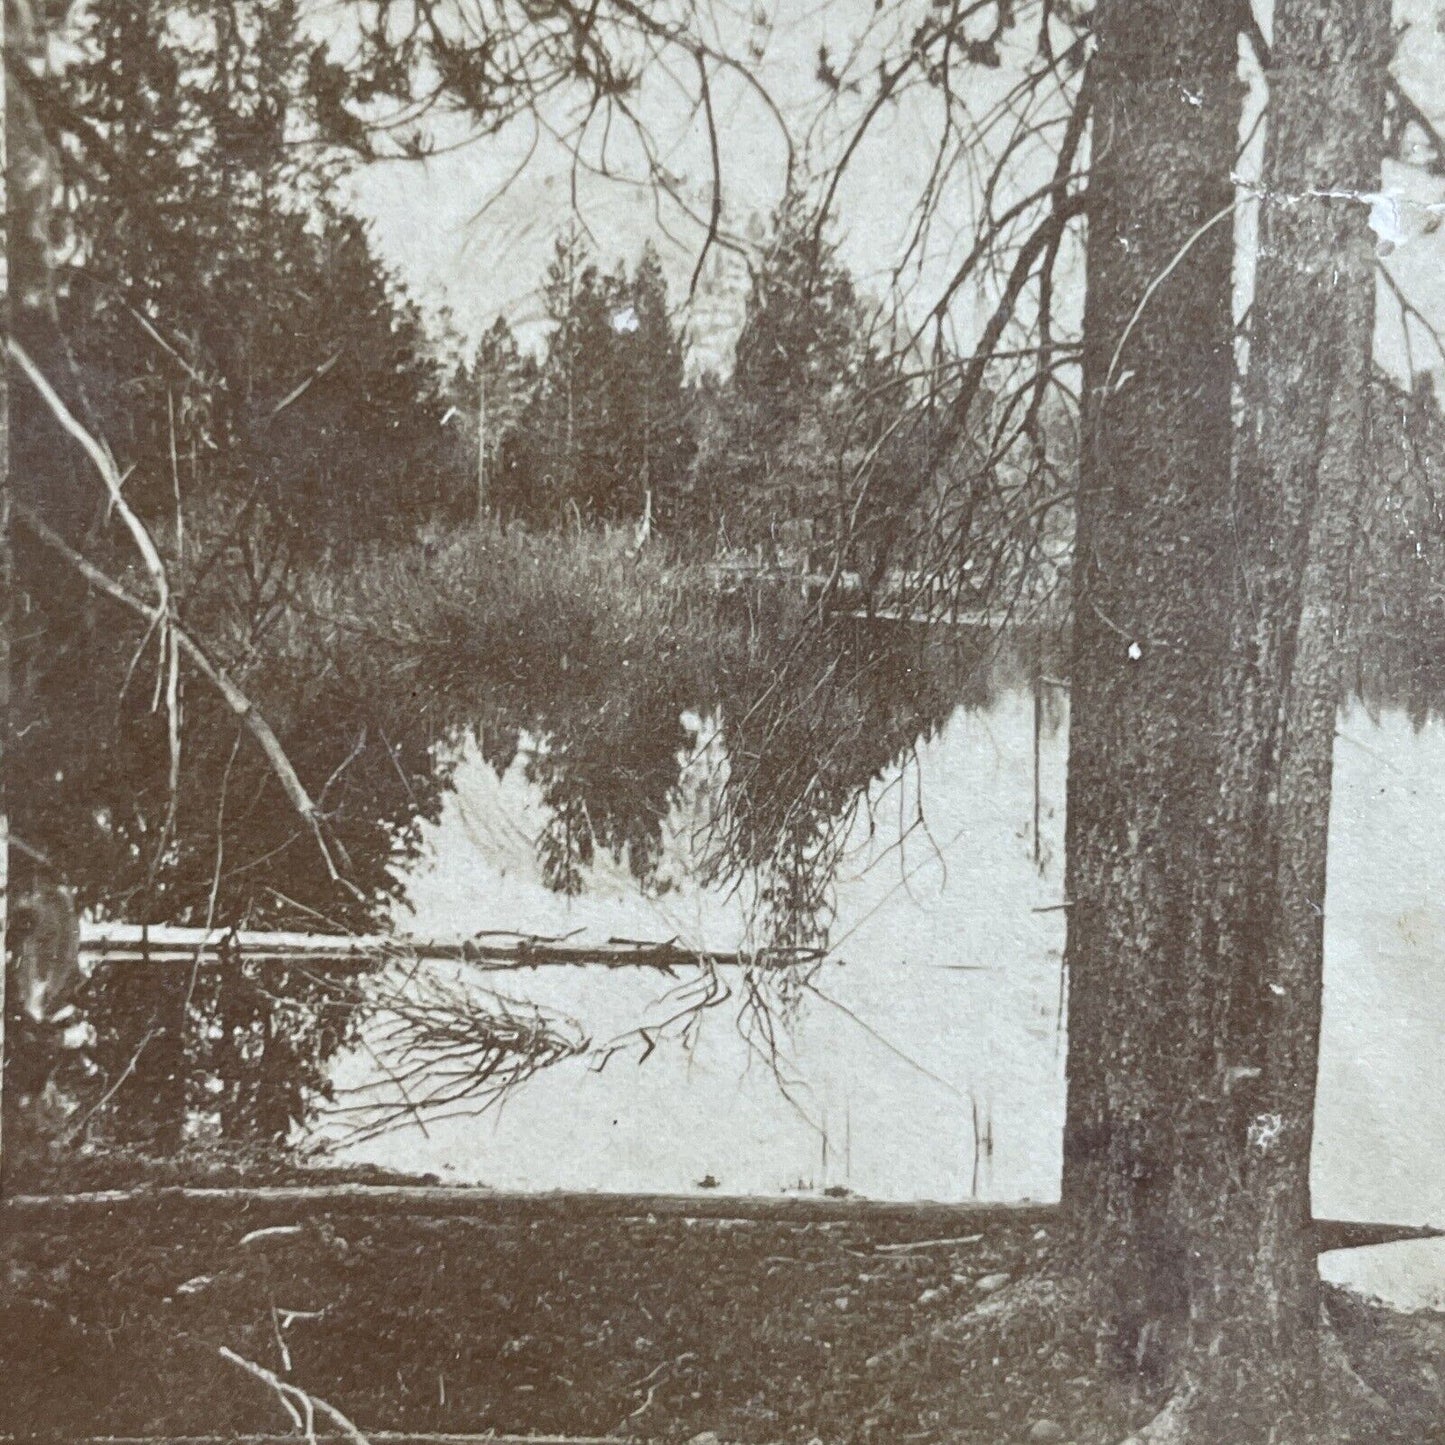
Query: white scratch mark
[1389,210]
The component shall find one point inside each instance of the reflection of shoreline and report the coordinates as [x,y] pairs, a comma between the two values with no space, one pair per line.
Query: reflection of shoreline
[911,900]
[945,959]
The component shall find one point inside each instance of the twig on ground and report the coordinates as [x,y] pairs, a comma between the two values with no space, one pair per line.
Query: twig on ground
[281,1346]
[273,1231]
[300,1405]
[960,1240]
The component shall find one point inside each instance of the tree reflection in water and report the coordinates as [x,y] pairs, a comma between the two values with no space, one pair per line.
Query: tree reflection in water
[240,1051]
[810,715]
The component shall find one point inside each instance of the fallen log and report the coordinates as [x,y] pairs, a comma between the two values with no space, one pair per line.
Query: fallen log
[130,943]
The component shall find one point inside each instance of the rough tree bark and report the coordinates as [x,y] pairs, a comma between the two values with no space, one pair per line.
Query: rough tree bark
[1300,475]
[1211,581]
[5,619]
[1150,629]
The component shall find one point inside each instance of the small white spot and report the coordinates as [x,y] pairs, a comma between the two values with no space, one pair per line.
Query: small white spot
[1135,652]
[1386,220]
[1277,990]
[80,1035]
[1265,1130]
[625,322]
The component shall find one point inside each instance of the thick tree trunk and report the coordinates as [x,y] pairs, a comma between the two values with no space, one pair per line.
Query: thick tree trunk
[1300,475]
[1152,564]
[1210,606]
[29,175]
[5,623]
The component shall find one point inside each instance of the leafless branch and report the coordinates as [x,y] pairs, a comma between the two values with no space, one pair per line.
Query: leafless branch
[301,1406]
[233,696]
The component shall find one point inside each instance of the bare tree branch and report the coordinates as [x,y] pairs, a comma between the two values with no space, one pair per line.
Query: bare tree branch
[301,1406]
[233,696]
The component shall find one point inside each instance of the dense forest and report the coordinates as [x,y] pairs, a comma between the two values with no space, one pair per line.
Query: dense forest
[384,531]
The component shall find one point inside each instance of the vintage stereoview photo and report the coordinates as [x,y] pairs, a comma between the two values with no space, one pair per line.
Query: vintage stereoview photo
[724,722]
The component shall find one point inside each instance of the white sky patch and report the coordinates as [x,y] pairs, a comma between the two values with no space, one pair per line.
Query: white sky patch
[470,230]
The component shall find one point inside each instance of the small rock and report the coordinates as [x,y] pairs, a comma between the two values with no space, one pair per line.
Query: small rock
[843,1302]
[196,1284]
[987,1285]
[1046,1430]
[929,1295]
[706,1437]
[1040,1235]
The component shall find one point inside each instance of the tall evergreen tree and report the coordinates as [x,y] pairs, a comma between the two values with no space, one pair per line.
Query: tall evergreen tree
[226,327]
[650,396]
[492,393]
[608,423]
[802,403]
[226,331]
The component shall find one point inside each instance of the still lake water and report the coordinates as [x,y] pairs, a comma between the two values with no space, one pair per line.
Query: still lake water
[928,1064]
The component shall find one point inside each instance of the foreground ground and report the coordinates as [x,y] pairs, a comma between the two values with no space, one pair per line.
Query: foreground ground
[535,1320]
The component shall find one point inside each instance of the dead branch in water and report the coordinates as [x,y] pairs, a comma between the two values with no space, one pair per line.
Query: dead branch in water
[129,943]
[444,1047]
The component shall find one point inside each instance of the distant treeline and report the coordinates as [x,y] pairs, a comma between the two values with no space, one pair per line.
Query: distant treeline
[211,311]
[608,426]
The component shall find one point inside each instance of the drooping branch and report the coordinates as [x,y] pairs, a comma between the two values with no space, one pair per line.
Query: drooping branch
[233,696]
[114,483]
[564,65]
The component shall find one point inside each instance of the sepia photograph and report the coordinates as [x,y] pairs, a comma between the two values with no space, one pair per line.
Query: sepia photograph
[722,722]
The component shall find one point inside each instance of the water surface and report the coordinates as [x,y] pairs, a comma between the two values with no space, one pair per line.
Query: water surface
[927,1060]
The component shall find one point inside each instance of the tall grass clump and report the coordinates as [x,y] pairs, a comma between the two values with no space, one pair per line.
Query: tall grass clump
[464,619]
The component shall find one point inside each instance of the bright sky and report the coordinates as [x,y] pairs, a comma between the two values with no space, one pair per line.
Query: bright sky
[471,229]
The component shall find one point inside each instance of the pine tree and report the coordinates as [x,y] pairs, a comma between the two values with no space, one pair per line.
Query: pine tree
[608,422]
[550,468]
[801,406]
[232,328]
[492,394]
[651,396]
